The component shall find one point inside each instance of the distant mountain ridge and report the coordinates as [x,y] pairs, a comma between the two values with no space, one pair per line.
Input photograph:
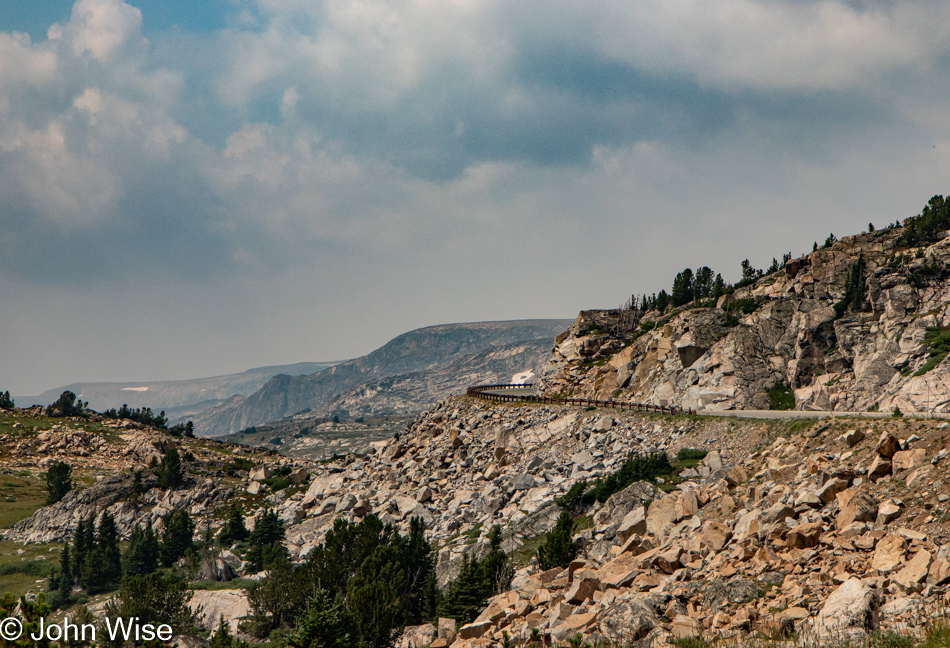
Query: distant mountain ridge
[174,395]
[419,351]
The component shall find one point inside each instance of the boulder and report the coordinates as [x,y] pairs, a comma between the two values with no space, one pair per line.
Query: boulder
[633,523]
[879,468]
[804,536]
[887,512]
[582,588]
[830,490]
[474,630]
[852,438]
[416,636]
[907,459]
[231,605]
[662,514]
[521,481]
[685,627]
[916,569]
[715,535]
[259,473]
[888,445]
[849,613]
[447,629]
[855,506]
[889,552]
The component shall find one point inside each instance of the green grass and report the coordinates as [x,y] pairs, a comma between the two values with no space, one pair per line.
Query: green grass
[19,572]
[237,583]
[20,497]
[691,454]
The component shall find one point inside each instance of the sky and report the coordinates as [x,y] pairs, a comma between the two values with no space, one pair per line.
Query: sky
[194,188]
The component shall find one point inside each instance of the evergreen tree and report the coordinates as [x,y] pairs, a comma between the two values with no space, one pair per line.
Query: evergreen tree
[719,286]
[558,549]
[136,489]
[102,568]
[178,536]
[323,625]
[266,541]
[233,529]
[662,301]
[748,272]
[682,288]
[6,401]
[58,482]
[465,596]
[155,599]
[169,473]
[65,582]
[703,283]
[144,551]
[682,292]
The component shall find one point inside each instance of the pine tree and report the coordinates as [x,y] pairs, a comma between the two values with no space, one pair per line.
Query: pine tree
[233,529]
[58,482]
[65,584]
[178,537]
[323,625]
[144,551]
[266,541]
[136,489]
[682,288]
[169,473]
[558,549]
[102,568]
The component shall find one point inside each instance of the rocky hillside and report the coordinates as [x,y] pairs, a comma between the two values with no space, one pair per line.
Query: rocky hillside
[816,528]
[857,326]
[425,352]
[831,528]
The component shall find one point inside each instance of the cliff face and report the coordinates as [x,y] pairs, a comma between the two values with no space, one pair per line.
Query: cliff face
[785,327]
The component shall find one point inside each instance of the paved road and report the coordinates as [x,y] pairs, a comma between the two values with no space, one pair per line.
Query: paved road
[755,414]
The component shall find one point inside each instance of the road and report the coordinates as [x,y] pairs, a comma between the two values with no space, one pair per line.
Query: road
[529,390]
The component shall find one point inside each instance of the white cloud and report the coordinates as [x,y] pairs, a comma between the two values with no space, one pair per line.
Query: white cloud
[102,28]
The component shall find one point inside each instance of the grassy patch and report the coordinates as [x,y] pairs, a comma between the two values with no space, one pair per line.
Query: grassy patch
[20,497]
[19,573]
[781,397]
[691,454]
[938,346]
[237,583]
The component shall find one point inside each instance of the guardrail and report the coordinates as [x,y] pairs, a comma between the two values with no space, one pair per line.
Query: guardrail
[483,391]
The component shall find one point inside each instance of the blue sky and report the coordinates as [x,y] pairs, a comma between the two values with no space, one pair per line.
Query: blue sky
[194,189]
[35,18]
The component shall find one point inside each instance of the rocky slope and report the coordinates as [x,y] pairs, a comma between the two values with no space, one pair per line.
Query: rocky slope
[423,350]
[815,528]
[782,328]
[825,528]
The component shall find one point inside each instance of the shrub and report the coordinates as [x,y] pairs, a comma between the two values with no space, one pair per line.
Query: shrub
[746,305]
[637,467]
[691,454]
[781,397]
[67,405]
[938,346]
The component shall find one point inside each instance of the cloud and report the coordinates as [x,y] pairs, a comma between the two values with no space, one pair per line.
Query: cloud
[348,128]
